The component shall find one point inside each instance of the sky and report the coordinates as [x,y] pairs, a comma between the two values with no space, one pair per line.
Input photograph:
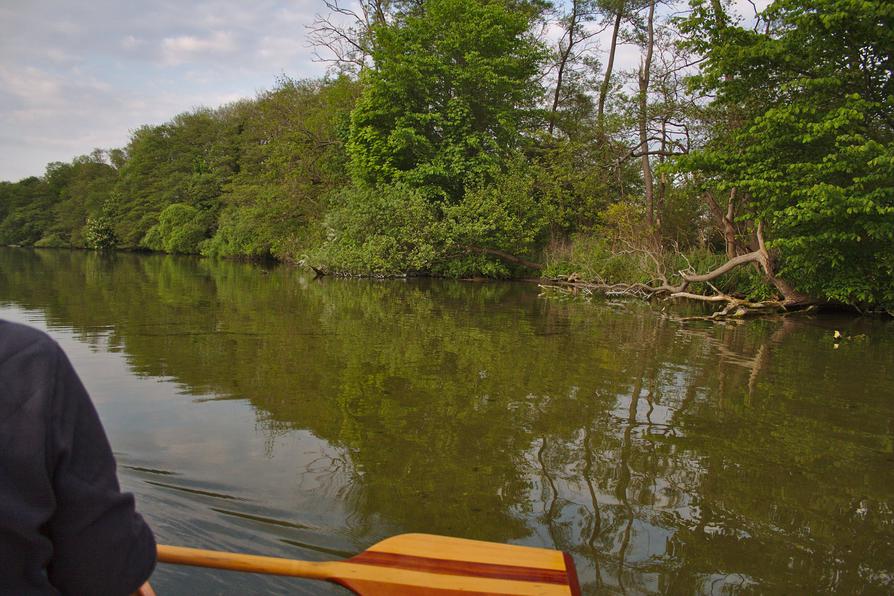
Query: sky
[82,74]
[76,74]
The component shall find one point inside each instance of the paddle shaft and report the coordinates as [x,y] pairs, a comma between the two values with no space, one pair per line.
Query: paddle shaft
[250,563]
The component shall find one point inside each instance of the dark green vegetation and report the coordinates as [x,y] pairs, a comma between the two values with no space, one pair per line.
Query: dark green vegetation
[458,142]
[668,457]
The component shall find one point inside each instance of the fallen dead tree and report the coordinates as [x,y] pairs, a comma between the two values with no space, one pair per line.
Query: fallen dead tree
[660,287]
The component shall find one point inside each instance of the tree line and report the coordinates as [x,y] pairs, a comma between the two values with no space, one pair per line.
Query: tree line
[748,159]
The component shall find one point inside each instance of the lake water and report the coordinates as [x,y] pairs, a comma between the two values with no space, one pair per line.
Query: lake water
[258,410]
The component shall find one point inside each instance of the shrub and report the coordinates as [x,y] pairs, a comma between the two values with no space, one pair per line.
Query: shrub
[99,233]
[387,230]
[180,229]
[51,241]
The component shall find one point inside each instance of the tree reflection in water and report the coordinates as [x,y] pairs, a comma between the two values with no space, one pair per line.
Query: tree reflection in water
[667,455]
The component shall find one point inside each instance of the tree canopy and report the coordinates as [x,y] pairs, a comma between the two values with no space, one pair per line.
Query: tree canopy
[453,88]
[809,137]
[496,138]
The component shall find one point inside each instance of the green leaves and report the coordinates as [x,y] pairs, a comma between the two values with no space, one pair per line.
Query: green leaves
[813,148]
[448,97]
[386,230]
[180,229]
[187,160]
[99,234]
[433,143]
[397,228]
[291,156]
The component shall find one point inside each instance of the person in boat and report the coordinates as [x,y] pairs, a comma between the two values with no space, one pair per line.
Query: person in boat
[65,525]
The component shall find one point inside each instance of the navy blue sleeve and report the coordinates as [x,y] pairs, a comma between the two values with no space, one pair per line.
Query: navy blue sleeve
[101,545]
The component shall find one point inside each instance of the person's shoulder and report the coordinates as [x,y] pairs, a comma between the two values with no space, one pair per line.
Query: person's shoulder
[28,362]
[16,338]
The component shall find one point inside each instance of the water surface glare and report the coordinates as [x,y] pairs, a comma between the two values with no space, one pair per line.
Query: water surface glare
[259,410]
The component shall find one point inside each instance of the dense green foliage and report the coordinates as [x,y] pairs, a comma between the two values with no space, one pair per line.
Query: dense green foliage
[53,210]
[99,233]
[452,90]
[27,211]
[433,144]
[814,143]
[242,180]
[179,230]
[465,146]
[187,160]
[291,157]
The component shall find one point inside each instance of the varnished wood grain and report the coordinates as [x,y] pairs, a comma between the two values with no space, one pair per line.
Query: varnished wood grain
[453,567]
[462,549]
[415,564]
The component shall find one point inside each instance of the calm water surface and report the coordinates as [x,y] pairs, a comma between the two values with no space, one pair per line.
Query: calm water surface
[261,411]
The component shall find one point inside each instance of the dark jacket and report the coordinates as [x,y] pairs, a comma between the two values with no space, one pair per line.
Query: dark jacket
[64,524]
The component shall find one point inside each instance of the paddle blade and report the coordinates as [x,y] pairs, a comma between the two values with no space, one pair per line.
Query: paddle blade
[417,564]
[414,565]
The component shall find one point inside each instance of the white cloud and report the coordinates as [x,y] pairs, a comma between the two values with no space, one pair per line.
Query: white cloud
[65,28]
[298,17]
[60,57]
[77,74]
[130,42]
[185,48]
[279,51]
[30,85]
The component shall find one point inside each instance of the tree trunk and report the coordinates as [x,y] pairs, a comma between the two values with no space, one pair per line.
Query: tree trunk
[790,295]
[761,258]
[725,221]
[662,178]
[606,81]
[644,71]
[563,61]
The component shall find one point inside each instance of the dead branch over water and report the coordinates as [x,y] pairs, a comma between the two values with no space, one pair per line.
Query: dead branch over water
[662,288]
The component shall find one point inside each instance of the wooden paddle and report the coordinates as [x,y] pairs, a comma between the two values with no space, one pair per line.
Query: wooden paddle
[414,564]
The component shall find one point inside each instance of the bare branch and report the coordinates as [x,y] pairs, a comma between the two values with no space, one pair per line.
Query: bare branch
[758,256]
